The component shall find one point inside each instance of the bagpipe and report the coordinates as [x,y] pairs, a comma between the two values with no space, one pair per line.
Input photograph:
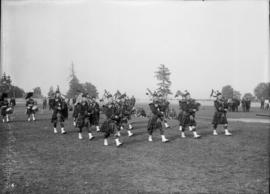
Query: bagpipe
[35,108]
[160,105]
[221,103]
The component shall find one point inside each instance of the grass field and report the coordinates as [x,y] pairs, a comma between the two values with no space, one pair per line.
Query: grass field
[35,160]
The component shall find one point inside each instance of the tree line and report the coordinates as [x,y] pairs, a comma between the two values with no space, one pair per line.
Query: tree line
[261,91]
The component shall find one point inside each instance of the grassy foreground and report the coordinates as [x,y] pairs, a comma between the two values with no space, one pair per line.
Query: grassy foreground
[35,160]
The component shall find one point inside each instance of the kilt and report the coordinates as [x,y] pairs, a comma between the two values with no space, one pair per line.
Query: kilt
[108,126]
[75,112]
[219,118]
[82,121]
[29,111]
[124,120]
[186,119]
[94,119]
[154,123]
[57,116]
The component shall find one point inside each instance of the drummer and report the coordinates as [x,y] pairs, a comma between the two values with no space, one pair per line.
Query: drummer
[31,107]
[5,108]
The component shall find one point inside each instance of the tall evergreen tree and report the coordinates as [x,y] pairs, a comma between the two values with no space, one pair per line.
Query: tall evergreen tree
[74,85]
[163,76]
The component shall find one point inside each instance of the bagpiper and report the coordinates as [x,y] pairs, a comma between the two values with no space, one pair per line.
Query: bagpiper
[31,107]
[220,115]
[84,112]
[186,117]
[155,121]
[109,126]
[163,105]
[76,100]
[60,112]
[96,114]
[124,107]
[6,108]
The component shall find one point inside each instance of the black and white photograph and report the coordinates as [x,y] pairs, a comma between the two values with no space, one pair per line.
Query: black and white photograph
[135,96]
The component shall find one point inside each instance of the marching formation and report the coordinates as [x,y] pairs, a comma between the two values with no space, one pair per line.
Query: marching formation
[118,110]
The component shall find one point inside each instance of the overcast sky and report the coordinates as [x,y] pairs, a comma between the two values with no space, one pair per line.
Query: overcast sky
[118,44]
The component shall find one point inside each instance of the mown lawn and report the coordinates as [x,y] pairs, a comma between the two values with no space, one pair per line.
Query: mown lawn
[35,160]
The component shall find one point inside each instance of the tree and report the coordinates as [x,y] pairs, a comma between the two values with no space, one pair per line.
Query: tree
[262,90]
[249,96]
[16,92]
[51,92]
[90,89]
[5,83]
[163,75]
[236,94]
[37,92]
[227,91]
[6,86]
[74,85]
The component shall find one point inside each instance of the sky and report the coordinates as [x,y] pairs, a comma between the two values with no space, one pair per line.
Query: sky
[119,44]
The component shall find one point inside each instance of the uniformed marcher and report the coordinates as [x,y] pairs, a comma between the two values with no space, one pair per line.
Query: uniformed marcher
[220,115]
[5,107]
[96,114]
[75,102]
[186,117]
[155,121]
[60,112]
[84,111]
[109,126]
[31,107]
[125,109]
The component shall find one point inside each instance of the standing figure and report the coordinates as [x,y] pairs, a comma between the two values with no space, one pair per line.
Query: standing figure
[155,121]
[5,107]
[44,103]
[31,107]
[51,100]
[248,104]
[109,126]
[220,115]
[12,102]
[262,103]
[186,117]
[60,112]
[266,104]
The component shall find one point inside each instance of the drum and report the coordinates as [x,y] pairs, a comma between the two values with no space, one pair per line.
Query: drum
[35,108]
[9,110]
